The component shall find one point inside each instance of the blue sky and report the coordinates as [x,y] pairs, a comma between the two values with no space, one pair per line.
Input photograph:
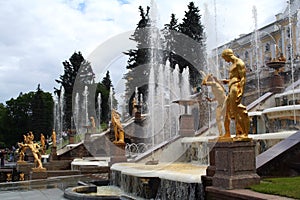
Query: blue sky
[38,35]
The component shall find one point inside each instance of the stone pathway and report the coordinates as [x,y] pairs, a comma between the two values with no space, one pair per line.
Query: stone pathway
[42,194]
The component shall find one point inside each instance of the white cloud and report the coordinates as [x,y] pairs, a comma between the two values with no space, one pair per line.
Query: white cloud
[36,36]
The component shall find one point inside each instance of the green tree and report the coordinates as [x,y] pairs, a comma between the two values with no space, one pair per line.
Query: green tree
[76,66]
[3,127]
[191,26]
[103,88]
[148,40]
[31,111]
[170,32]
[187,54]
[42,112]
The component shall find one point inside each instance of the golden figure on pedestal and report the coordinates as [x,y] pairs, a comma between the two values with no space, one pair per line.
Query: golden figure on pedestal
[43,144]
[34,147]
[53,137]
[118,128]
[234,108]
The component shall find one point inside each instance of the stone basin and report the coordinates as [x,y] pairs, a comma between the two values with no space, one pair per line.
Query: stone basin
[276,64]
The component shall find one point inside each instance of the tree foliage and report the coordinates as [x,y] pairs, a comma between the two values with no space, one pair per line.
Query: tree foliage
[172,40]
[31,111]
[76,67]
[185,54]
[103,88]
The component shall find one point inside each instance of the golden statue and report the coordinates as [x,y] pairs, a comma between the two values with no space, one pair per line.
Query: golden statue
[234,108]
[53,137]
[118,128]
[22,149]
[34,147]
[43,143]
[8,177]
[134,108]
[93,124]
[219,95]
[21,177]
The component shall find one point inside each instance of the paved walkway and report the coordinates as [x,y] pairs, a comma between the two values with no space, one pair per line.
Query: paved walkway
[43,194]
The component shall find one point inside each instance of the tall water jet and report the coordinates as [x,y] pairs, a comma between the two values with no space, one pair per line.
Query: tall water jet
[76,111]
[85,106]
[60,112]
[56,121]
[151,96]
[292,56]
[99,109]
[256,46]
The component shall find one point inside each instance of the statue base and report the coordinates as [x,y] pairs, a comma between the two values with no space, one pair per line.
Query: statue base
[235,165]
[39,169]
[38,173]
[53,154]
[118,153]
[25,168]
[21,162]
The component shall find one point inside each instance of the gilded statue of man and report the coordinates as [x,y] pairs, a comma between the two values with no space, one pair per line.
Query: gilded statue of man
[234,108]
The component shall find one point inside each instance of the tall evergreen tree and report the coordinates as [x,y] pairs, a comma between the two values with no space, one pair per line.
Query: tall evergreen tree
[170,32]
[148,39]
[187,53]
[103,87]
[195,52]
[138,69]
[76,67]
[42,112]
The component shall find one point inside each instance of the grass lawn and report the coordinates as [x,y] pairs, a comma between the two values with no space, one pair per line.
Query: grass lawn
[288,187]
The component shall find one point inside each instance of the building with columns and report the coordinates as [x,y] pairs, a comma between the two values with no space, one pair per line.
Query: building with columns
[272,95]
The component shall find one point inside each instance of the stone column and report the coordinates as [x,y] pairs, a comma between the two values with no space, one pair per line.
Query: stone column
[53,154]
[186,125]
[235,165]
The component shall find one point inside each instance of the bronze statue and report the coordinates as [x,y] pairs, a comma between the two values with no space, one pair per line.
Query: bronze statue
[219,95]
[234,108]
[118,128]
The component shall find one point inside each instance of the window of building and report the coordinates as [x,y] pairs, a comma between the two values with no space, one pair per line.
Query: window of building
[267,47]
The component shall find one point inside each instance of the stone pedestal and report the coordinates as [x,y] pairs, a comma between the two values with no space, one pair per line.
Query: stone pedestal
[71,139]
[186,125]
[277,83]
[53,154]
[24,167]
[118,153]
[211,169]
[235,165]
[38,173]
[138,117]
